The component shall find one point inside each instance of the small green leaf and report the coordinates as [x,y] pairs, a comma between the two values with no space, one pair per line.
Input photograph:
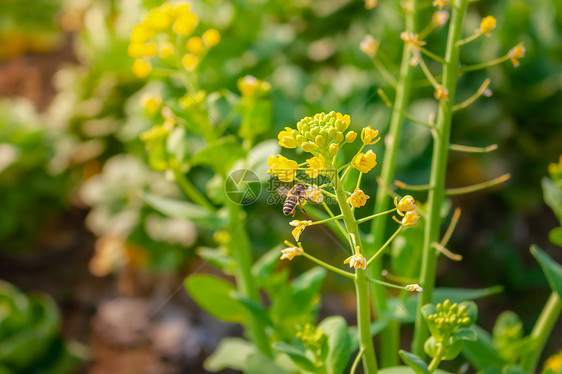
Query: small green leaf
[414,361]
[297,355]
[453,350]
[258,363]
[265,265]
[339,343]
[217,258]
[508,328]
[214,296]
[230,354]
[551,269]
[553,197]
[513,369]
[406,370]
[465,334]
[481,353]
[256,117]
[430,347]
[257,309]
[555,236]
[427,310]
[185,210]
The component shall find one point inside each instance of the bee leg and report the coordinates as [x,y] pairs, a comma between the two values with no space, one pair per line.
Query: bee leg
[302,207]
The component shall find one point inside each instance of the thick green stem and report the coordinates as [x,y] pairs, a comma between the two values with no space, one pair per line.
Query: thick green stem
[541,331]
[438,171]
[434,364]
[240,250]
[361,285]
[389,336]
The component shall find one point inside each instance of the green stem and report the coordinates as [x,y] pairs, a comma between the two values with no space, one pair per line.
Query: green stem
[434,364]
[389,336]
[240,250]
[328,266]
[361,284]
[368,218]
[191,192]
[438,170]
[541,331]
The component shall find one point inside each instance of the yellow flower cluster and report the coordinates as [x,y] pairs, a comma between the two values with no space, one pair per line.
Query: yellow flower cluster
[413,288]
[440,18]
[357,199]
[151,102]
[282,167]
[441,93]
[161,34]
[318,134]
[356,261]
[316,166]
[406,204]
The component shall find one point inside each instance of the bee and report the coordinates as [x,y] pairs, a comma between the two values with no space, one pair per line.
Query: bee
[298,194]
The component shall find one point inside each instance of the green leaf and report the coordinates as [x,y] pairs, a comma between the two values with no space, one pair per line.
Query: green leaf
[428,310]
[465,334]
[406,370]
[513,370]
[221,155]
[414,361]
[176,144]
[551,269]
[481,353]
[258,155]
[453,350]
[555,236]
[553,197]
[508,328]
[257,363]
[231,353]
[297,355]
[265,265]
[256,117]
[257,309]
[214,296]
[185,210]
[339,343]
[217,258]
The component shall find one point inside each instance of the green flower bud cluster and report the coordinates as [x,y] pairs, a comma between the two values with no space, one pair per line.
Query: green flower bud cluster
[319,135]
[450,316]
[312,337]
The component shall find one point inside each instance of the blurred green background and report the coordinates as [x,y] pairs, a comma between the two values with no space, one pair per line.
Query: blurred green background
[71,164]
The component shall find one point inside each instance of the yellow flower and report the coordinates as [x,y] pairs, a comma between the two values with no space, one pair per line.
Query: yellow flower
[410,219]
[141,68]
[185,24]
[414,287]
[554,362]
[299,227]
[441,93]
[414,45]
[287,139]
[189,62]
[488,24]
[370,4]
[282,167]
[369,136]
[315,166]
[357,198]
[440,18]
[291,251]
[516,53]
[141,34]
[194,45]
[440,3]
[406,204]
[157,19]
[150,102]
[167,49]
[211,37]
[364,162]
[356,261]
[136,50]
[369,46]
[181,8]
[314,194]
[250,86]
[350,136]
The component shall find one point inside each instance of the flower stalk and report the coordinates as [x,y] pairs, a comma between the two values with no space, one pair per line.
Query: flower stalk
[438,170]
[389,336]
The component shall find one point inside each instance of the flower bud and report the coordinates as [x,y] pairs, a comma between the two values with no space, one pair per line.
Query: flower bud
[350,136]
[339,137]
[307,146]
[319,140]
[334,148]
